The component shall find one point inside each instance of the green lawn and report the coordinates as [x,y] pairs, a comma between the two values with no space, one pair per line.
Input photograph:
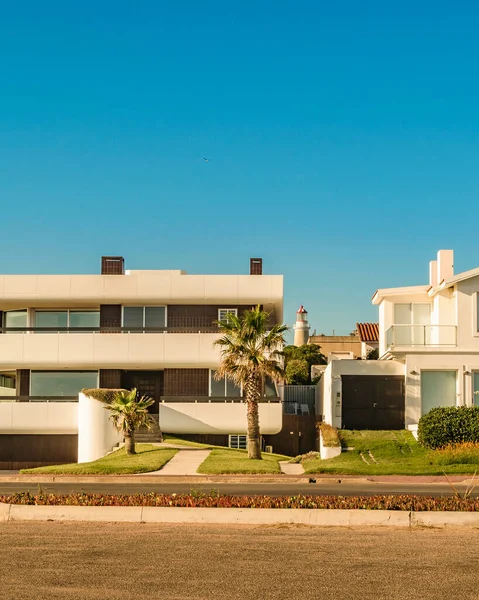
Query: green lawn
[170,439]
[148,458]
[384,453]
[227,461]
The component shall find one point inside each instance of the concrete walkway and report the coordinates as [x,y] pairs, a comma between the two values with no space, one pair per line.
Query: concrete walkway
[291,468]
[185,462]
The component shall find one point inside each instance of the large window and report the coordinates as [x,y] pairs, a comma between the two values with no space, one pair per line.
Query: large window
[411,319]
[15,318]
[223,387]
[67,318]
[144,316]
[438,388]
[475,389]
[61,383]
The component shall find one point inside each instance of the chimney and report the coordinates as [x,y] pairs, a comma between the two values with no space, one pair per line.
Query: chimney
[445,265]
[255,266]
[112,265]
[433,273]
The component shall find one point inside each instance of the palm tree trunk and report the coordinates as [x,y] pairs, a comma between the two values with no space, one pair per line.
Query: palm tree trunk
[252,388]
[130,443]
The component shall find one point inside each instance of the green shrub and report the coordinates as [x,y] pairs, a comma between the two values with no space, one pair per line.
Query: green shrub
[330,435]
[449,425]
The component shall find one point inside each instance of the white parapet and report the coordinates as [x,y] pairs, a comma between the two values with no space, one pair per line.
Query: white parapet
[38,417]
[96,433]
[217,417]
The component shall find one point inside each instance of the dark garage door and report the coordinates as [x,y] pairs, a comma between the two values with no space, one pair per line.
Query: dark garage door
[372,402]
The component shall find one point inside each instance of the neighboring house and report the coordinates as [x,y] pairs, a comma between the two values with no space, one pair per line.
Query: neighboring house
[433,331]
[368,334]
[153,330]
[338,346]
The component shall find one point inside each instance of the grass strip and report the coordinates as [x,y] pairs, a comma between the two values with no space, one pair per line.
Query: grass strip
[148,458]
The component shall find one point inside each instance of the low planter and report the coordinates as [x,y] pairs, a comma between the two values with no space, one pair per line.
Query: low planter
[328,451]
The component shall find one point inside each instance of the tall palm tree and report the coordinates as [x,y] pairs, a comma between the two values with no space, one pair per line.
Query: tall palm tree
[128,414]
[251,350]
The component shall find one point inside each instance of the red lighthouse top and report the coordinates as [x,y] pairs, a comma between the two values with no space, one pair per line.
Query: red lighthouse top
[302,310]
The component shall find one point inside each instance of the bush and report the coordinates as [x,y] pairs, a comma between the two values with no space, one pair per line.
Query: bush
[466,453]
[330,435]
[104,395]
[449,425]
[215,500]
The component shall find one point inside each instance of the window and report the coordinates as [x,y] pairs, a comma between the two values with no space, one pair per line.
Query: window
[224,312]
[67,318]
[475,389]
[416,316]
[438,388]
[269,388]
[238,442]
[144,316]
[223,388]
[15,318]
[7,381]
[61,383]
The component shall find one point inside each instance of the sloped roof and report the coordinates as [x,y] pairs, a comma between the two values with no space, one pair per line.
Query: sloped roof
[368,332]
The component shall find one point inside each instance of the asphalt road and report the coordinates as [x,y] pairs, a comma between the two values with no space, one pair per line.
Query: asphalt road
[345,488]
[120,561]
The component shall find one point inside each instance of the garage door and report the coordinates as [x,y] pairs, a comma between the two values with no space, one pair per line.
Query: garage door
[372,402]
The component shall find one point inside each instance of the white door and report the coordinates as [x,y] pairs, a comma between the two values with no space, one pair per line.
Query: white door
[438,388]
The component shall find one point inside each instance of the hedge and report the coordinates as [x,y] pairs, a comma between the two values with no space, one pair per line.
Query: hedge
[102,394]
[213,500]
[449,425]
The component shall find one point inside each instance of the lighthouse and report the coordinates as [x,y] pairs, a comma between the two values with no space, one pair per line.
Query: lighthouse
[301,329]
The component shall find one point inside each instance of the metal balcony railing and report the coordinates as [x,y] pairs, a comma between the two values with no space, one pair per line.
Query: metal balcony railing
[190,329]
[38,398]
[421,335]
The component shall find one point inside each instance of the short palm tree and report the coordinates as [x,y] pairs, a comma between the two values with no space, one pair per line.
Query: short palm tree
[128,414]
[251,350]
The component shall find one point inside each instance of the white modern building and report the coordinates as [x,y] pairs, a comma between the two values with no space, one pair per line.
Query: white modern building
[152,330]
[433,331]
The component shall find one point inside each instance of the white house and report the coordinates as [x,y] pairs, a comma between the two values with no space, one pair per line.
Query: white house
[433,330]
[153,330]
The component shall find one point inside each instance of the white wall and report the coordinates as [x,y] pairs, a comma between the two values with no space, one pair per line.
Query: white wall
[38,417]
[332,388]
[96,433]
[4,391]
[109,350]
[217,417]
[158,287]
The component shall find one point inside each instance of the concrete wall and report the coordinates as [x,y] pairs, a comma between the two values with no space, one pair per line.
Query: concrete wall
[157,287]
[217,417]
[109,350]
[38,417]
[96,433]
[332,388]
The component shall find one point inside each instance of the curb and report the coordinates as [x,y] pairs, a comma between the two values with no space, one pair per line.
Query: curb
[240,516]
[197,479]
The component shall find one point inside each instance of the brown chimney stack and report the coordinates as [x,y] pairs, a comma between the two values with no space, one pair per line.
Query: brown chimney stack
[112,265]
[255,266]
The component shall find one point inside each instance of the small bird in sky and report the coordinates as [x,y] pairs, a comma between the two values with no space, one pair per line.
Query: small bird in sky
[207,159]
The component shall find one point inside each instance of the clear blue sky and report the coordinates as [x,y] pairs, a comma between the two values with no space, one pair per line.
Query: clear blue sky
[344,139]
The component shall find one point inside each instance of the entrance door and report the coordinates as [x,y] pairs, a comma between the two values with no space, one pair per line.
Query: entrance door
[438,388]
[372,402]
[147,383]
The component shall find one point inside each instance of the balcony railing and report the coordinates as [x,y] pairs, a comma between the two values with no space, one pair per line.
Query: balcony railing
[215,399]
[191,329]
[38,398]
[421,335]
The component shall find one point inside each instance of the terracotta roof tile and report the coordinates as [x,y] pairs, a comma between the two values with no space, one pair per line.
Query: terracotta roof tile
[368,332]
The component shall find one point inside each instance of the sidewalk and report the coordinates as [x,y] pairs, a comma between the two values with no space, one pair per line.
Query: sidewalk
[185,462]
